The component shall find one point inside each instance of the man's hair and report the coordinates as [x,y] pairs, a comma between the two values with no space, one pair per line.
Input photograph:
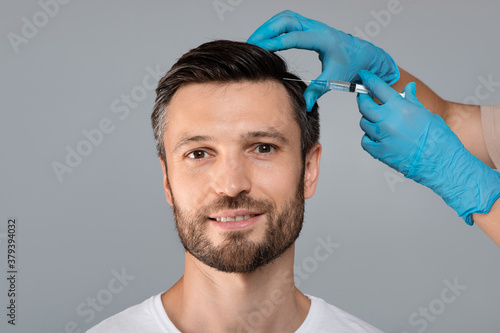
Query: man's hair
[224,61]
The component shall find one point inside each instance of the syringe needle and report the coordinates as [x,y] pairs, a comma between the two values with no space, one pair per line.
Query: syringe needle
[339,85]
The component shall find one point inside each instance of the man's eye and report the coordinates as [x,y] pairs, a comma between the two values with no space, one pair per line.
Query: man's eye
[197,154]
[264,148]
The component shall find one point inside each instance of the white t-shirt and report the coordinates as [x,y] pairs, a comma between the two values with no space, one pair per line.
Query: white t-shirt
[150,316]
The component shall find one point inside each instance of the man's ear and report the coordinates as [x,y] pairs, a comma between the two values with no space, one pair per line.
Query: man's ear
[311,170]
[168,194]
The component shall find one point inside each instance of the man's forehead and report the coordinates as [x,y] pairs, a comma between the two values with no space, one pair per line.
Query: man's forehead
[238,107]
[269,91]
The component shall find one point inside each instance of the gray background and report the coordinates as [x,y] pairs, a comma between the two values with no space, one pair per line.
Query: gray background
[397,245]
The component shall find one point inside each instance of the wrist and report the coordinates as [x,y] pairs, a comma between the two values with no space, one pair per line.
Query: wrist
[472,188]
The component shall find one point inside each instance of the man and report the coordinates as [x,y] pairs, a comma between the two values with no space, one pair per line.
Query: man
[239,155]
[403,133]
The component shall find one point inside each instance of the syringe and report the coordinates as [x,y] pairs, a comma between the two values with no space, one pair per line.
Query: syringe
[339,85]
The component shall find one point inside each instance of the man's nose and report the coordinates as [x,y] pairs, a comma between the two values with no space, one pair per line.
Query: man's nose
[231,175]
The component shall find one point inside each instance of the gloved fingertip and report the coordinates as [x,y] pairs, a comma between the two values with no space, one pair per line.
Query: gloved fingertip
[255,37]
[410,89]
[414,88]
[311,95]
[361,97]
[310,100]
[309,103]
[366,143]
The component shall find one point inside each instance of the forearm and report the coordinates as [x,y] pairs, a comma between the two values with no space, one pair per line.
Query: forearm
[490,222]
[425,95]
[464,120]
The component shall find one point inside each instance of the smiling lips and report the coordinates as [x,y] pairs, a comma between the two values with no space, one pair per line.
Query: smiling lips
[234,218]
[234,215]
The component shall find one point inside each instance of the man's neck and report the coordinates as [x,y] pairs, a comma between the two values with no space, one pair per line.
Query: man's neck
[207,300]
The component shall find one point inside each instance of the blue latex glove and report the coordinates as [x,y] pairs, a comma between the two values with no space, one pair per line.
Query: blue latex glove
[416,142]
[341,54]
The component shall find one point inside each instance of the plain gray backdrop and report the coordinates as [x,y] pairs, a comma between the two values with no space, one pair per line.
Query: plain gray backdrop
[398,245]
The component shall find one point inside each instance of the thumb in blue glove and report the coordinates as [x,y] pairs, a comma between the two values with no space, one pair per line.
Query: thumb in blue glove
[410,139]
[341,54]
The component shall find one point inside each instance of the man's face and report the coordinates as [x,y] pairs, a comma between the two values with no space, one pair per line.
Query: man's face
[235,174]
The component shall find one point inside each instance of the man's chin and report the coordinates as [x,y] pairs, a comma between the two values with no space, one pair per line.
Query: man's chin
[235,255]
[239,255]
[237,268]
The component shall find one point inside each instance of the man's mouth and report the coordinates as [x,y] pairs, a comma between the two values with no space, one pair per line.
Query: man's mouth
[239,219]
[234,218]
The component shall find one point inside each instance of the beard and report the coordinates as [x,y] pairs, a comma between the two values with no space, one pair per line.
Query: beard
[236,253]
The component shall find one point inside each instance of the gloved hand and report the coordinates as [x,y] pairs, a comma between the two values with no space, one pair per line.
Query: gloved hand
[410,139]
[341,54]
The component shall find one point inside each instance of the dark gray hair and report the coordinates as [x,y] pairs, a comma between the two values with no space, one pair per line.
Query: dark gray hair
[224,61]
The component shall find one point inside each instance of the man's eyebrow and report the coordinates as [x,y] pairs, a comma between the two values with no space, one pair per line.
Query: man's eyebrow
[270,133]
[188,139]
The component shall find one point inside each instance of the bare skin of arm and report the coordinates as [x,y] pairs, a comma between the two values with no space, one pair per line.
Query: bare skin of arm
[465,121]
[490,222]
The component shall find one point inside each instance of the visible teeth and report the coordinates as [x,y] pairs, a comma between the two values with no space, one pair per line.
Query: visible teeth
[235,218]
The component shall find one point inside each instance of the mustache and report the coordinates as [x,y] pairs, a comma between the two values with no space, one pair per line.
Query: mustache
[241,201]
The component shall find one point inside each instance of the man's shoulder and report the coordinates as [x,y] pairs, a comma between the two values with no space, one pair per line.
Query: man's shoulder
[137,318]
[326,317]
